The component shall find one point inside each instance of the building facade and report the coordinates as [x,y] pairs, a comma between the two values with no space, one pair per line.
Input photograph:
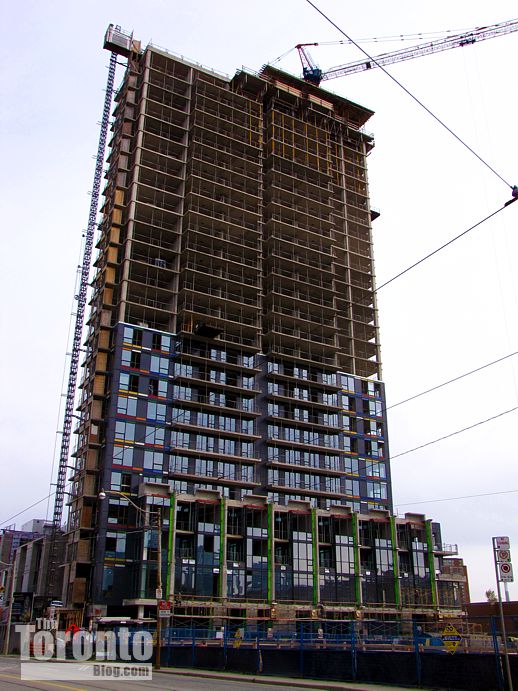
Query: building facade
[232,351]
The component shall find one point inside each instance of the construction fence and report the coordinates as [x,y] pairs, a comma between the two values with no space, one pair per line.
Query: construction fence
[442,654]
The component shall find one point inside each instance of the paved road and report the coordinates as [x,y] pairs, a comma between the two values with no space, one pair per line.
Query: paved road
[10,681]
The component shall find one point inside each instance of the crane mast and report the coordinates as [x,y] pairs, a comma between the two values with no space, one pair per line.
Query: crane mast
[112,42]
[311,72]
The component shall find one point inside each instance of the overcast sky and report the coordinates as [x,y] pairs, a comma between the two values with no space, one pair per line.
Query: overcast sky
[454,313]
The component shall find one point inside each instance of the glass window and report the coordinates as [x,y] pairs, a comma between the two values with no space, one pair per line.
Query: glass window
[274,431]
[126,406]
[217,398]
[181,369]
[124,431]
[229,447]
[300,372]
[183,392]
[330,419]
[161,342]
[247,403]
[157,387]
[375,469]
[349,423]
[179,464]
[330,399]
[116,545]
[204,467]
[273,409]
[247,426]
[156,411]
[301,414]
[130,358]
[376,490]
[216,354]
[348,383]
[301,393]
[128,382]
[132,336]
[118,511]
[155,435]
[153,460]
[123,455]
[351,465]
[274,388]
[218,376]
[121,482]
[273,476]
[159,364]
[329,378]
[352,487]
[247,449]
[180,439]
[248,360]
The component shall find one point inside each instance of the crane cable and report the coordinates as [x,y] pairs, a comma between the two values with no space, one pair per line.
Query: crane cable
[409,93]
[418,36]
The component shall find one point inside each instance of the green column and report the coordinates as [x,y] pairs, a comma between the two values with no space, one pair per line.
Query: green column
[356,547]
[271,555]
[314,539]
[223,547]
[170,546]
[431,563]
[395,557]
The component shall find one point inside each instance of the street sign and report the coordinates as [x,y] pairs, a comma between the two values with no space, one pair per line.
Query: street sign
[164,609]
[503,555]
[506,572]
[501,542]
[451,638]
[158,593]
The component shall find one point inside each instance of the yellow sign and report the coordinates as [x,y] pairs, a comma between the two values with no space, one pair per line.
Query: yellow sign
[451,638]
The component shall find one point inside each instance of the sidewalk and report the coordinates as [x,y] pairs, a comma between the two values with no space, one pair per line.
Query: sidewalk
[281,681]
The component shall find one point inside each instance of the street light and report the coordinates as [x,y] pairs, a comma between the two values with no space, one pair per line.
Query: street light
[9,567]
[102,495]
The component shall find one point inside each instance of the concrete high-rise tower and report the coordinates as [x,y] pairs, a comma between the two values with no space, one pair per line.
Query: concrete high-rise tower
[232,379]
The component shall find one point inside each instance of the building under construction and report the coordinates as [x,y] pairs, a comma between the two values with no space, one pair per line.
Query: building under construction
[231,398]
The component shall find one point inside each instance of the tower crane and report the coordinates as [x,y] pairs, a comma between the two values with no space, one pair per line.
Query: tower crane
[313,74]
[118,43]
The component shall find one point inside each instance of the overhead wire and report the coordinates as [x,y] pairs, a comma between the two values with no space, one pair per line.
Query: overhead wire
[396,504]
[409,93]
[402,37]
[452,434]
[450,381]
[446,244]
[28,508]
[464,496]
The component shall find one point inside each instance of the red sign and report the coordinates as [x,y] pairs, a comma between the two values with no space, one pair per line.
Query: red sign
[164,605]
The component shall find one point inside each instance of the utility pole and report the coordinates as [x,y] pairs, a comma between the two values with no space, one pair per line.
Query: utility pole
[12,568]
[159,591]
[504,572]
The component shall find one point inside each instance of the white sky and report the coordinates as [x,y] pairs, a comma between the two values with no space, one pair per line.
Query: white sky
[454,313]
